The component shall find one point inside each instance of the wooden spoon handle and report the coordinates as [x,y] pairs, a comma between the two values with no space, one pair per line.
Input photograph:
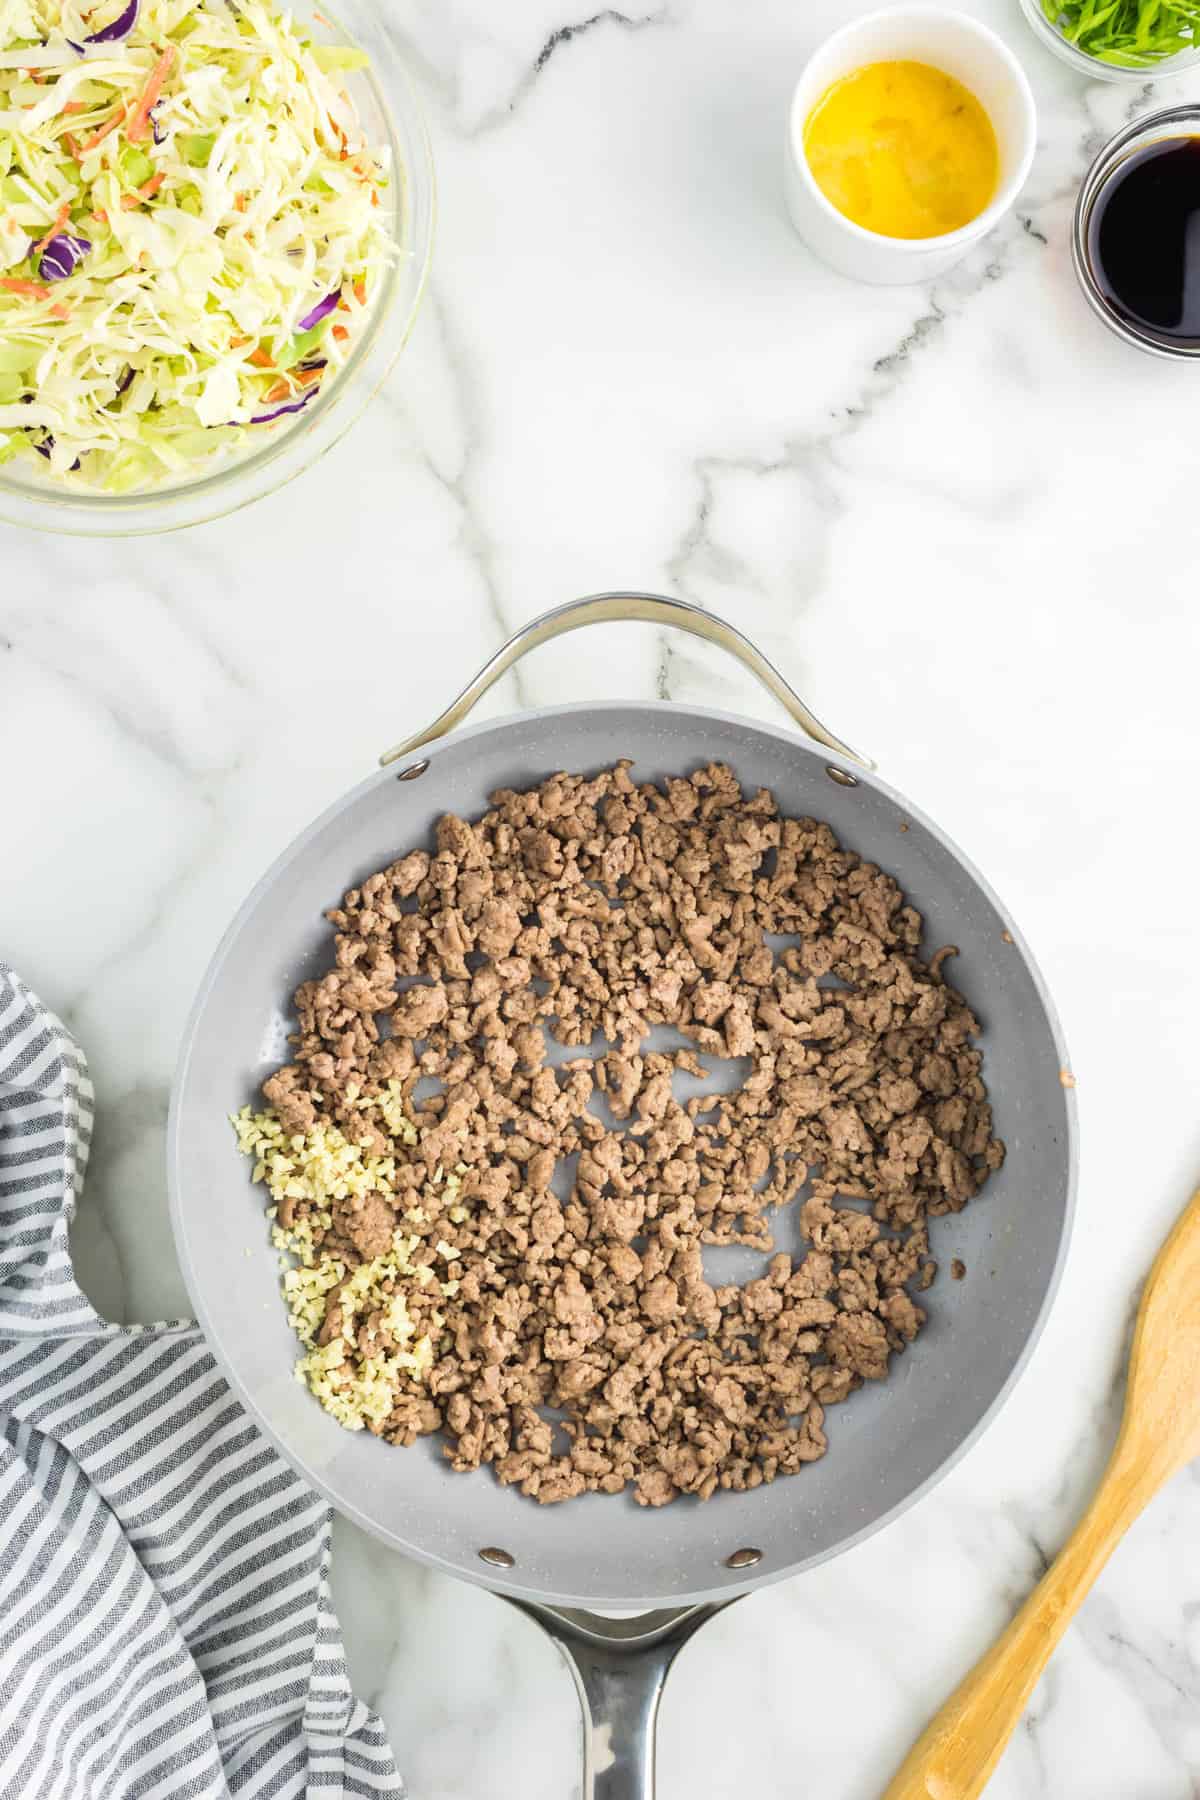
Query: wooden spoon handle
[956,1755]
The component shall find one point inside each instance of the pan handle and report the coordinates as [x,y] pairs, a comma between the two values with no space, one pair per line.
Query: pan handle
[598,609]
[620,1667]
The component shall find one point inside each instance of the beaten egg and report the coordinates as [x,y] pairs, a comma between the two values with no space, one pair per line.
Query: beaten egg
[902,149]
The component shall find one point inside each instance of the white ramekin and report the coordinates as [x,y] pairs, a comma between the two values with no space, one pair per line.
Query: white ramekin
[961,47]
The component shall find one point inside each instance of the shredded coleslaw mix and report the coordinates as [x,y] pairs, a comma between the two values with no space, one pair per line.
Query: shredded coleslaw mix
[193,232]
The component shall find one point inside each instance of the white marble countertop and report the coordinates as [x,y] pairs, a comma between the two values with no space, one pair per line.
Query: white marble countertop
[963,519]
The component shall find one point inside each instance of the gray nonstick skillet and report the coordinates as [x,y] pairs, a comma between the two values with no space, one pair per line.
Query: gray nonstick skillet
[673,1567]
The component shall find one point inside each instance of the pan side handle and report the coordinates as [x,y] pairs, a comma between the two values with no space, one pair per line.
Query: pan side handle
[619,1667]
[599,609]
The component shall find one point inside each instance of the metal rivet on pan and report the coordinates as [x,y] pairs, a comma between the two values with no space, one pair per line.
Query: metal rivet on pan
[843,777]
[499,1559]
[413,770]
[743,1559]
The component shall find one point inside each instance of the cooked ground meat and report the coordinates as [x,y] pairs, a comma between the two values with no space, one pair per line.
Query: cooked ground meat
[584,1345]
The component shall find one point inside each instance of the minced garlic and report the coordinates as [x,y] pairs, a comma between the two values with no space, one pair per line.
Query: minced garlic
[354,1376]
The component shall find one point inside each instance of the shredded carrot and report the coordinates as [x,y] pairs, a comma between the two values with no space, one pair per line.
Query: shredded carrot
[260,359]
[321,19]
[99,213]
[139,118]
[148,188]
[360,289]
[32,290]
[72,144]
[239,203]
[103,132]
[60,219]
[73,106]
[340,333]
[59,310]
[237,342]
[300,378]
[374,196]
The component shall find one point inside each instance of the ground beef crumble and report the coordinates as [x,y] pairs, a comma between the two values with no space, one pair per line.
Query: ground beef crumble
[584,1346]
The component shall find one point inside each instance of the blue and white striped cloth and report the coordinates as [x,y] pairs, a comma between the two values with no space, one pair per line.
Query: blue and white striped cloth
[166,1628]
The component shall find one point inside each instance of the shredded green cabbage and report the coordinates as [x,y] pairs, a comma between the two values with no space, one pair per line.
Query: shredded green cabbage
[216,222]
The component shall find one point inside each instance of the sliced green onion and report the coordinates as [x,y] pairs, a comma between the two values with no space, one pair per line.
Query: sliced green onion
[1129,34]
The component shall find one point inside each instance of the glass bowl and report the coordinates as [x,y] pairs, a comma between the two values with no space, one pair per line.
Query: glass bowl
[1173,122]
[390,114]
[1092,66]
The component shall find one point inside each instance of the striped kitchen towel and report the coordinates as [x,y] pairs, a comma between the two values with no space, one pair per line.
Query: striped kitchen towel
[166,1627]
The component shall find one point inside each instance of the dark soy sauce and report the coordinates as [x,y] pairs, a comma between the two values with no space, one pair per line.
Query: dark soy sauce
[1144,239]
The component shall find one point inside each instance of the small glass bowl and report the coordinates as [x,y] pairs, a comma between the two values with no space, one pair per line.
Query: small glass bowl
[390,114]
[1092,66]
[1172,121]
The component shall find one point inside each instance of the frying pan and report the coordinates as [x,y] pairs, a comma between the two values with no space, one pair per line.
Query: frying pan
[677,1566]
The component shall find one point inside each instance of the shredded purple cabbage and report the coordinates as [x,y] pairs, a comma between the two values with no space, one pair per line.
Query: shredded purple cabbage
[290,406]
[120,28]
[61,255]
[125,380]
[46,445]
[320,311]
[160,136]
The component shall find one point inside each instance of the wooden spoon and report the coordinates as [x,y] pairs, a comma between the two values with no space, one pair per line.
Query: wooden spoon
[957,1753]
